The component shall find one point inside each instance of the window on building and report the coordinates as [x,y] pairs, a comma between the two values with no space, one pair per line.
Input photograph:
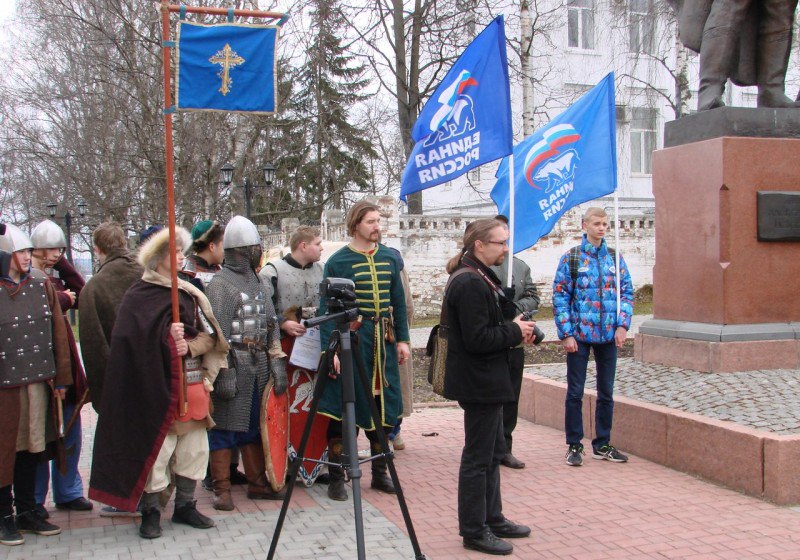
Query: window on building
[475,175]
[644,125]
[580,23]
[641,26]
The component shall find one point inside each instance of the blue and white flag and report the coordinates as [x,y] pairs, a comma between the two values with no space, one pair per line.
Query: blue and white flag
[467,120]
[226,67]
[570,161]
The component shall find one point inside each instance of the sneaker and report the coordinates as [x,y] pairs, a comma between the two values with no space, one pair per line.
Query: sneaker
[398,443]
[609,453]
[574,455]
[41,511]
[29,522]
[9,534]
[111,511]
[78,504]
[510,530]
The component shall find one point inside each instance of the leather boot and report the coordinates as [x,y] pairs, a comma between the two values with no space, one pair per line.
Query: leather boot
[151,523]
[220,461]
[716,55]
[258,487]
[380,478]
[336,490]
[773,60]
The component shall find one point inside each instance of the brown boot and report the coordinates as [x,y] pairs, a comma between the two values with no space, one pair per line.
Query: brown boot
[220,461]
[336,489]
[380,478]
[258,487]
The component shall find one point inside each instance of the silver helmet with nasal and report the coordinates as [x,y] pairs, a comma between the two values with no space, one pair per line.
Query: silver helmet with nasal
[240,232]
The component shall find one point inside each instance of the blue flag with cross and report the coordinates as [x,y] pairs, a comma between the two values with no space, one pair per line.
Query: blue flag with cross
[226,67]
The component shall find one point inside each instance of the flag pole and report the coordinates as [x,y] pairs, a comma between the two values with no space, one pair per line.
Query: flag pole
[511,189]
[183,404]
[616,248]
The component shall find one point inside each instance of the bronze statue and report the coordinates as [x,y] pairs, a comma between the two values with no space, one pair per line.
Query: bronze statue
[747,41]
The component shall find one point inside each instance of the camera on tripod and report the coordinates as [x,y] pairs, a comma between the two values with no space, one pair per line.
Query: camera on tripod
[340,293]
[538,334]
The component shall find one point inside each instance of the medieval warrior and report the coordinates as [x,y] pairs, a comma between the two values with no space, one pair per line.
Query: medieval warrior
[155,409]
[34,373]
[247,319]
[295,280]
[383,341]
[49,244]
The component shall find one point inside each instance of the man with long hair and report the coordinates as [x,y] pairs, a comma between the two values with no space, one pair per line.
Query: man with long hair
[477,375]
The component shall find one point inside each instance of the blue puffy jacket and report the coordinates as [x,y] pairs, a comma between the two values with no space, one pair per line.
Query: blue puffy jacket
[587,308]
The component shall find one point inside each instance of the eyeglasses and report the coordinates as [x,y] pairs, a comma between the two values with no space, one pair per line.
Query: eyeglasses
[497,242]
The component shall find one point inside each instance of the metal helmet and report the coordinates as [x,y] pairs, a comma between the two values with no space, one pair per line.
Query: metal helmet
[240,232]
[48,235]
[14,240]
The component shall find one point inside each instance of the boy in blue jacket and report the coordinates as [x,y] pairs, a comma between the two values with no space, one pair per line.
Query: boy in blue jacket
[587,318]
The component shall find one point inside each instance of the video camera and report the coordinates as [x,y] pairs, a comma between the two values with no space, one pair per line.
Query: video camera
[538,334]
[340,293]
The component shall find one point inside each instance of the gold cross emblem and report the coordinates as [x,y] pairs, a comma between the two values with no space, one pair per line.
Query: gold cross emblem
[227,59]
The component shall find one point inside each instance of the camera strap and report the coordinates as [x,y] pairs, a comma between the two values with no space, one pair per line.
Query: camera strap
[472,265]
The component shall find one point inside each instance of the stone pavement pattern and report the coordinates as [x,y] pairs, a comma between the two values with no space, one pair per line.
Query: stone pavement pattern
[765,400]
[601,510]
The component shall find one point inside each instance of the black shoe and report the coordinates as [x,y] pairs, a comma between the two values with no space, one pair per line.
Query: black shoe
[40,510]
[489,544]
[187,514]
[609,453]
[207,484]
[512,462]
[9,534]
[151,523]
[574,455]
[324,478]
[29,522]
[78,504]
[510,530]
[237,477]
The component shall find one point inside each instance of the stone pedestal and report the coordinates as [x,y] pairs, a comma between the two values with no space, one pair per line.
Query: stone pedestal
[723,300]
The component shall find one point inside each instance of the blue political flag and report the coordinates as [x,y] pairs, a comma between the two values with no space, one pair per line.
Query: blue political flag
[467,120]
[570,161]
[226,67]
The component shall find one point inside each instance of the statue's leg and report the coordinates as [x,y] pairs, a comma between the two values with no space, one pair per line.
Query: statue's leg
[717,51]
[774,45]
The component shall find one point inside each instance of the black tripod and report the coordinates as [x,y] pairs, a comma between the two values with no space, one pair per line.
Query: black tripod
[340,340]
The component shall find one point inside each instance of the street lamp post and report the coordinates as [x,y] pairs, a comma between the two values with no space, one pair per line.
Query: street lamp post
[226,176]
[52,207]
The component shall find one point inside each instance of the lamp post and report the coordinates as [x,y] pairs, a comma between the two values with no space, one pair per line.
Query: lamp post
[226,176]
[52,207]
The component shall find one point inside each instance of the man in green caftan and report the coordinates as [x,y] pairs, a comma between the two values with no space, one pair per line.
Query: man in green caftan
[383,340]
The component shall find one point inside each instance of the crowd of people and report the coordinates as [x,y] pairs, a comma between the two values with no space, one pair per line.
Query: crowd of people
[179,390]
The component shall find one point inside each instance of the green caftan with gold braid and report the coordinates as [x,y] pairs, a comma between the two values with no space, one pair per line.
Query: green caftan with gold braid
[378,287]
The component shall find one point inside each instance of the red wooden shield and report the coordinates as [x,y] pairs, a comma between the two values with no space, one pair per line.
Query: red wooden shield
[275,435]
[301,392]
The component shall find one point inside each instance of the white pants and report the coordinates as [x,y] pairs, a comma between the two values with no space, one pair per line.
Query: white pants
[185,455]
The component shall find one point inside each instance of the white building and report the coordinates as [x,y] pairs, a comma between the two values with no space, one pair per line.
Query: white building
[576,43]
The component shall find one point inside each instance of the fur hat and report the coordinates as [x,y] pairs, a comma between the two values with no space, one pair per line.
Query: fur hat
[154,249]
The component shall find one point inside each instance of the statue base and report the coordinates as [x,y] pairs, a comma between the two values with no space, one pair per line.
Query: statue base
[732,122]
[724,300]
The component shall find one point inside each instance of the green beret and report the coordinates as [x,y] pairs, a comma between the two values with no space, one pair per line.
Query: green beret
[201,229]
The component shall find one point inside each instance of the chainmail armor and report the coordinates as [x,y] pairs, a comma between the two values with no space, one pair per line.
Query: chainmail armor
[252,369]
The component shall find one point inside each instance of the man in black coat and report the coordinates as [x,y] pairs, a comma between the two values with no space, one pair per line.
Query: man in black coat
[478,377]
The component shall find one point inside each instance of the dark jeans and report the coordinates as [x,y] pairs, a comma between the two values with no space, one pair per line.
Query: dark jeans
[24,485]
[605,357]
[479,502]
[516,363]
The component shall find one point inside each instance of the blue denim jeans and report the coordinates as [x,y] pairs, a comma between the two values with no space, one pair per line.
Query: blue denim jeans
[605,357]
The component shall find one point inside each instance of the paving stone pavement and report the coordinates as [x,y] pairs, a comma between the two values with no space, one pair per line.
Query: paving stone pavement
[764,399]
[601,510]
